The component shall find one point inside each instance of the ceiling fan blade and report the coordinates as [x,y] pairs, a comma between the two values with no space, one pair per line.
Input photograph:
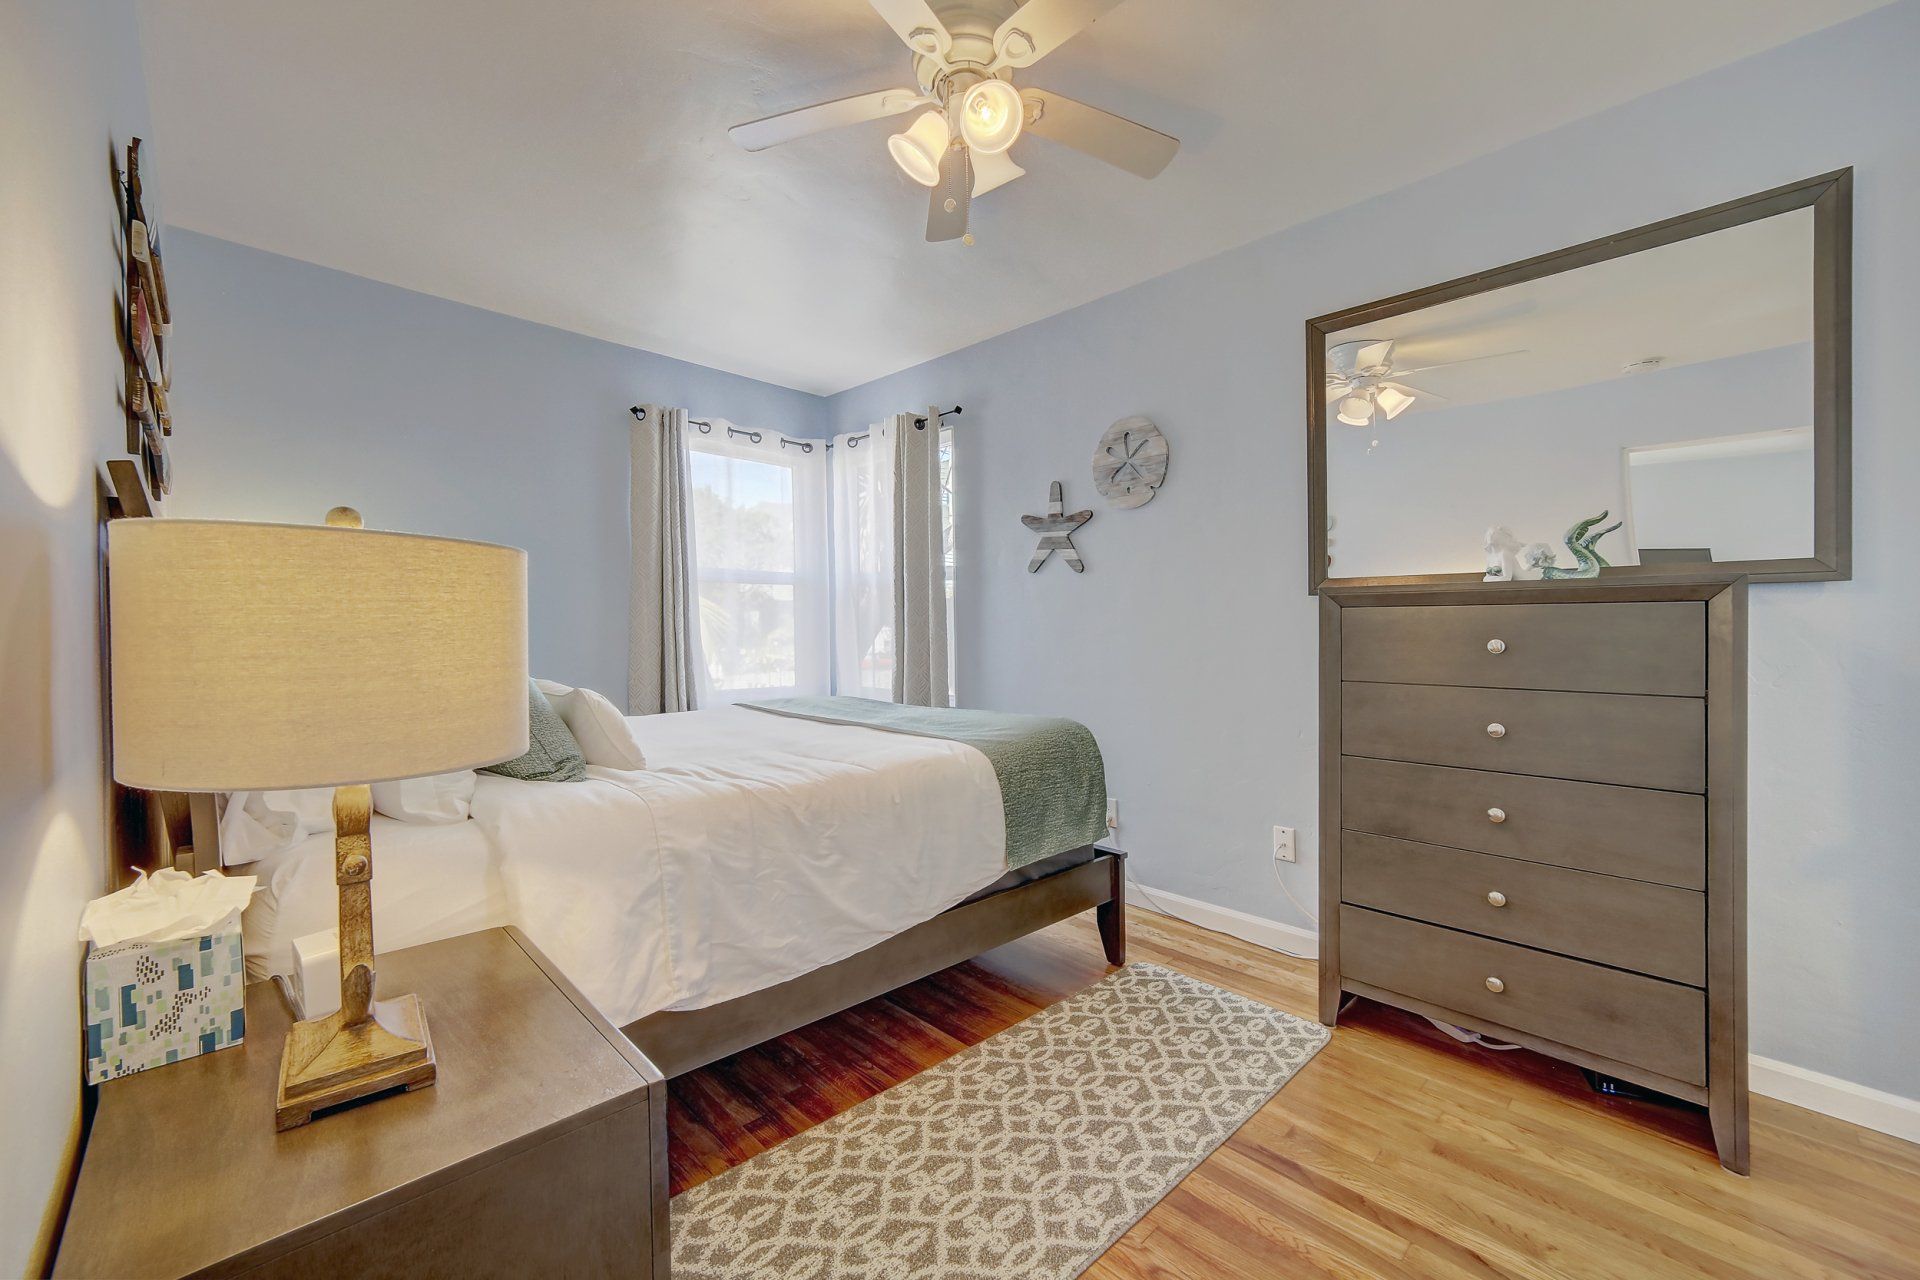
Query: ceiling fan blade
[992,170]
[918,27]
[1100,134]
[1373,354]
[771,131]
[955,189]
[1418,393]
[1039,27]
[1448,364]
[1341,359]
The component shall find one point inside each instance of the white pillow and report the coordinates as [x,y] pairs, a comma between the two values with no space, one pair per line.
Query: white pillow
[259,824]
[605,737]
[441,797]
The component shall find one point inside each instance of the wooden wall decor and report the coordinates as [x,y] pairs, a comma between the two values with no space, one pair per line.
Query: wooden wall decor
[1056,530]
[1130,462]
[146,332]
[149,830]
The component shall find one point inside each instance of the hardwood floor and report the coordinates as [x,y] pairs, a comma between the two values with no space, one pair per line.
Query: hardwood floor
[1395,1152]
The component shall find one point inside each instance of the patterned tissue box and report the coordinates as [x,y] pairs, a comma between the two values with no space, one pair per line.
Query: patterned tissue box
[151,1003]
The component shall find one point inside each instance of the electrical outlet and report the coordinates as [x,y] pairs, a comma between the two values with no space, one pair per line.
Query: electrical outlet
[1113,814]
[1283,850]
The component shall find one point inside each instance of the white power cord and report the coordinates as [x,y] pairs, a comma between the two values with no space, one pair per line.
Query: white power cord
[1153,902]
[1461,1034]
[1465,1036]
[1113,829]
[1281,880]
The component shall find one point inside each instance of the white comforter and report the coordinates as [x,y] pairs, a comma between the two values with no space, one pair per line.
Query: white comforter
[753,848]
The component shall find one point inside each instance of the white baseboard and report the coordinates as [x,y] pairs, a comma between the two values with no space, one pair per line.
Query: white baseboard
[1888,1113]
[1260,931]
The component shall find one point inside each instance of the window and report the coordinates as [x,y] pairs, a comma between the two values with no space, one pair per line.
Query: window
[778,616]
[759,537]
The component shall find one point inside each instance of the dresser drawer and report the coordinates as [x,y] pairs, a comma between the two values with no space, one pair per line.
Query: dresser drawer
[1637,647]
[1658,1026]
[1620,831]
[1625,739]
[1629,924]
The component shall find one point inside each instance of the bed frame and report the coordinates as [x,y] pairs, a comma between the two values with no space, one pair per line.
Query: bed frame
[680,1040]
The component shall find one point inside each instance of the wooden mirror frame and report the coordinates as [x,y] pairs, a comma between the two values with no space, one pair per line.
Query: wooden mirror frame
[1830,196]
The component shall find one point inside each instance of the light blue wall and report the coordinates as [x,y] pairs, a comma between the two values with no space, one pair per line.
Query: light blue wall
[302,388]
[1189,645]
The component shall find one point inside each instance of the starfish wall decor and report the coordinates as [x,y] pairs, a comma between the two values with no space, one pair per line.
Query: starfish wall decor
[1056,532]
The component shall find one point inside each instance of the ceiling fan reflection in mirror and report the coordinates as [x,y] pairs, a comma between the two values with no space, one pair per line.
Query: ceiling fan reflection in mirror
[964,55]
[1364,386]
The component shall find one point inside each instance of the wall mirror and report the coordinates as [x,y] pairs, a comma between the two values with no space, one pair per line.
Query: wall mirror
[1690,379]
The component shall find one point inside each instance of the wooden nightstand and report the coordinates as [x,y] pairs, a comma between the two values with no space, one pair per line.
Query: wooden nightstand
[542,1149]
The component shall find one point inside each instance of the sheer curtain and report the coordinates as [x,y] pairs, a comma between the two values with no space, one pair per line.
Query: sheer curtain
[889,564]
[760,520]
[863,607]
[663,652]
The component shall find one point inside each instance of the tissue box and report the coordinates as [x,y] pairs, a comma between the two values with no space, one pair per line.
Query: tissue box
[151,1003]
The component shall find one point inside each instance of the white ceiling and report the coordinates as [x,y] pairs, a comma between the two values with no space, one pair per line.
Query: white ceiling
[567,161]
[1747,288]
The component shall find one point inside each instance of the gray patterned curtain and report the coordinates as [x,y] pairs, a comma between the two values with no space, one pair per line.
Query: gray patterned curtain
[919,565]
[663,653]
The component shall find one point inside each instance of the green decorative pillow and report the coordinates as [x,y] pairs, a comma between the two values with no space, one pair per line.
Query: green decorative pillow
[552,753]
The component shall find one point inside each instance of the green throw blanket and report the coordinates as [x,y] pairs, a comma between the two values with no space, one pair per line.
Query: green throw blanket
[1053,785]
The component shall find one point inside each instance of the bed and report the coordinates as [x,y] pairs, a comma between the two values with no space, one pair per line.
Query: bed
[763,871]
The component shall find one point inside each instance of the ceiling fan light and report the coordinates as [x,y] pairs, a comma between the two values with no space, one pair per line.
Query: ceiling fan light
[1356,411]
[918,150]
[991,116]
[1393,401]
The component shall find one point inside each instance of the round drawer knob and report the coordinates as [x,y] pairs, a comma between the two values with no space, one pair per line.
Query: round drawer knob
[1496,815]
[1496,986]
[1496,646]
[1496,899]
[1496,730]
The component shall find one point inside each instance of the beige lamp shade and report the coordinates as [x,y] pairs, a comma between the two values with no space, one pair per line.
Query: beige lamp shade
[266,656]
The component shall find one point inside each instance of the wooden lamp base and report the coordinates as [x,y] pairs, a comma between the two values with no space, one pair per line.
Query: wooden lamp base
[369,1046]
[328,1061]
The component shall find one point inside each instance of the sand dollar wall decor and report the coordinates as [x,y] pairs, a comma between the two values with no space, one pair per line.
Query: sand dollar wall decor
[1130,462]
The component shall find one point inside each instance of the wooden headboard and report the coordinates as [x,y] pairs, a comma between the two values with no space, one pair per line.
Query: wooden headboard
[148,830]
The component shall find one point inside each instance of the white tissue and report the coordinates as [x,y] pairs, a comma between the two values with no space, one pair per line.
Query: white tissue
[163,907]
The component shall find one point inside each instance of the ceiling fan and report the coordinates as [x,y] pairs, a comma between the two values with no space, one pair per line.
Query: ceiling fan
[1363,386]
[964,55]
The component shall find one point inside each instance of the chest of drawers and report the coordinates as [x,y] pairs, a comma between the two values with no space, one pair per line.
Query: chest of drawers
[1533,808]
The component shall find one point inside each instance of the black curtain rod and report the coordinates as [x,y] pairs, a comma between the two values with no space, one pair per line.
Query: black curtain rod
[920,423]
[640,415]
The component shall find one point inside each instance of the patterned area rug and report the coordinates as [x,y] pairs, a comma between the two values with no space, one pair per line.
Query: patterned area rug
[1025,1155]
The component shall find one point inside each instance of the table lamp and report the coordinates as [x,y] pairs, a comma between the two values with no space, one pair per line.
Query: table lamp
[267,657]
